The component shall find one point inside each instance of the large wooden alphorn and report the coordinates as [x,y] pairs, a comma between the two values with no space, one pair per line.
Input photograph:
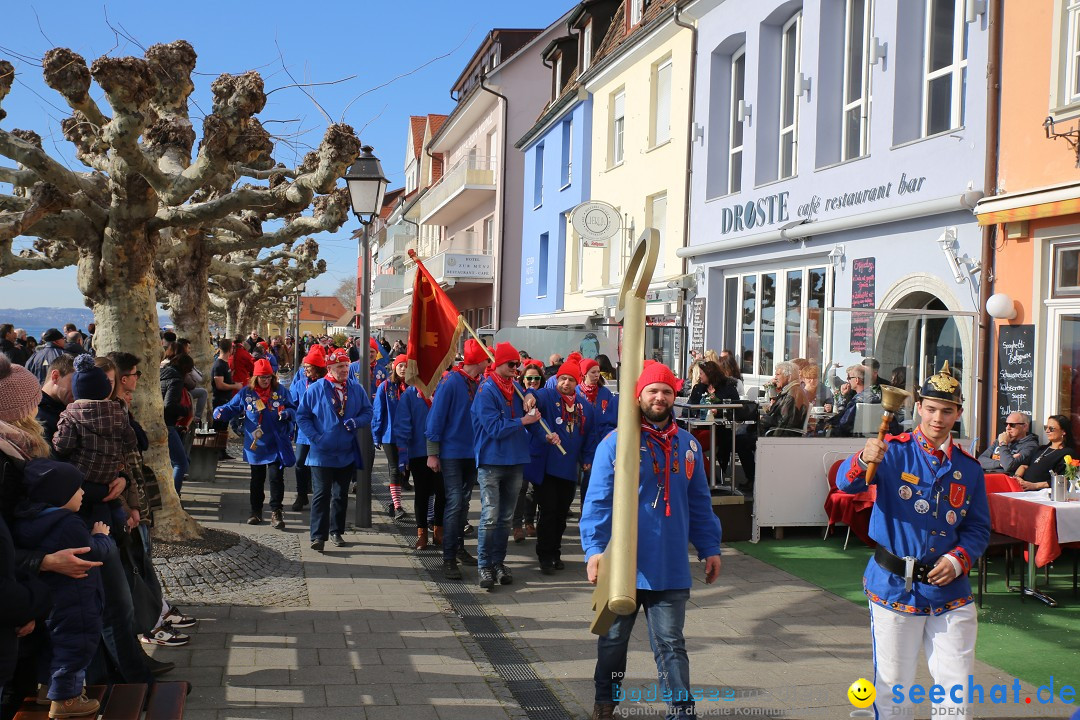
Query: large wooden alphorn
[616,584]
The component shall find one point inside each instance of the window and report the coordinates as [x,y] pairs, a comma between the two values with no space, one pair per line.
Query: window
[658,219]
[735,132]
[661,111]
[542,280]
[567,167]
[586,49]
[538,176]
[557,79]
[1072,87]
[855,127]
[637,10]
[489,235]
[1066,270]
[945,66]
[616,251]
[618,127]
[790,69]
[492,150]
[751,323]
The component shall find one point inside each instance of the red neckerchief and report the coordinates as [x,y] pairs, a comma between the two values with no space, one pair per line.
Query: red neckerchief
[420,394]
[590,392]
[470,382]
[506,387]
[395,387]
[264,395]
[668,442]
[339,401]
[568,409]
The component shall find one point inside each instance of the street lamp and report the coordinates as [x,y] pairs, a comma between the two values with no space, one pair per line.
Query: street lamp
[298,347]
[367,186]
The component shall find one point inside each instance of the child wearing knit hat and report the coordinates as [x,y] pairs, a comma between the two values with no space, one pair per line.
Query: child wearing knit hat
[48,521]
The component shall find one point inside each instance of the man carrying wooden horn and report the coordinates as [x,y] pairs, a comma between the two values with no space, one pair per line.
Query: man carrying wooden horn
[674,507]
[931,521]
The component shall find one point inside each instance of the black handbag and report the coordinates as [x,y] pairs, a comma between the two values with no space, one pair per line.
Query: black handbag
[146,601]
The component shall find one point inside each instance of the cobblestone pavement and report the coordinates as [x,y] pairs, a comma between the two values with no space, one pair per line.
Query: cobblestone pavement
[384,637]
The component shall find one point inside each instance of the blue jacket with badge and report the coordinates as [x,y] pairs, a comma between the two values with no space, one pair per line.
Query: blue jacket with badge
[331,444]
[449,424]
[662,560]
[378,373]
[500,437]
[410,419]
[579,443]
[297,388]
[385,406]
[606,409]
[274,445]
[926,507]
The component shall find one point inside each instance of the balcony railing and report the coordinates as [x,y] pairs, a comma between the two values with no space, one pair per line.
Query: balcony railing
[395,241]
[471,178]
[386,289]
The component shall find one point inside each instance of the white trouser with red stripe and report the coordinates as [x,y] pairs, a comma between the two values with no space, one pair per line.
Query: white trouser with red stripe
[947,639]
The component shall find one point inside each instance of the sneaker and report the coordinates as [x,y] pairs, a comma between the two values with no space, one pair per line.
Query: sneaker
[465,558]
[317,545]
[400,514]
[450,570]
[559,565]
[469,529]
[530,530]
[519,535]
[547,567]
[165,635]
[277,520]
[352,489]
[178,619]
[254,520]
[337,540]
[80,706]
[502,575]
[299,503]
[487,578]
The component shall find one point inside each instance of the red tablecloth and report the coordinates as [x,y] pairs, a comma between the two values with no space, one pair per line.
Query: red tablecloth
[852,510]
[1028,521]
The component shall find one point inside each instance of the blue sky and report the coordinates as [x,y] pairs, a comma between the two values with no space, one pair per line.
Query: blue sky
[319,42]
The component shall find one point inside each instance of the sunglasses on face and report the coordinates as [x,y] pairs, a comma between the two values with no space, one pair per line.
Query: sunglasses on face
[1019,424]
[137,373]
[533,378]
[513,365]
[1052,429]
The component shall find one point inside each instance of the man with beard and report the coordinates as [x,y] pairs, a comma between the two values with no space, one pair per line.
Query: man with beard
[674,508]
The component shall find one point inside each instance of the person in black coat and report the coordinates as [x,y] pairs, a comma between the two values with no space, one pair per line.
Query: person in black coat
[716,388]
[16,354]
[25,598]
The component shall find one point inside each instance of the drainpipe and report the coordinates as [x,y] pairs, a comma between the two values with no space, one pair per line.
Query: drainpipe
[496,292]
[689,138]
[989,233]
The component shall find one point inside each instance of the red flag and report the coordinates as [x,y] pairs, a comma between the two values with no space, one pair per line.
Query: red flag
[434,332]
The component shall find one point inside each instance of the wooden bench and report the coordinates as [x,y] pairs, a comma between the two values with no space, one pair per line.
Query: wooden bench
[124,702]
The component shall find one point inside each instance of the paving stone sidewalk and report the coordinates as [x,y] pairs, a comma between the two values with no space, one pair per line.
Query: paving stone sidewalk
[378,636]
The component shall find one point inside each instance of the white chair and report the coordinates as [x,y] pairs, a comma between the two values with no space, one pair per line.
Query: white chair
[867,419]
[753,392]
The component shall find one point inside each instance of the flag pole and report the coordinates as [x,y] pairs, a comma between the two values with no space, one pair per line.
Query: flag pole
[487,351]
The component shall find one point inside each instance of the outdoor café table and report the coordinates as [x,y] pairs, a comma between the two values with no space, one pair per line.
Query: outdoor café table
[692,423]
[1035,519]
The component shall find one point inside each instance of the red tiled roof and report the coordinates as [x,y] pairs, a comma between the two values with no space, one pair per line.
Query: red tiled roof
[617,33]
[416,130]
[320,309]
[436,122]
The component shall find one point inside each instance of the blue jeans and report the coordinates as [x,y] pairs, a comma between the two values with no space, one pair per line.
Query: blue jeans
[499,487]
[665,613]
[329,499]
[459,477]
[178,457]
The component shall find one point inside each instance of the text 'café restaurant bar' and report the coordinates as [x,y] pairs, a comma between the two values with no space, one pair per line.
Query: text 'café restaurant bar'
[829,227]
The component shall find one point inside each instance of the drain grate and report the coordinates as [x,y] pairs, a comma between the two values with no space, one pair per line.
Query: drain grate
[532,693]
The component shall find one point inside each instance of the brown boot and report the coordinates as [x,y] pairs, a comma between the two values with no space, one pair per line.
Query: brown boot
[79,706]
[421,539]
[603,711]
[437,535]
[519,534]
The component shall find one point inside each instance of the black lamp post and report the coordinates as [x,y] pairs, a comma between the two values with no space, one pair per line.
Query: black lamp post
[367,186]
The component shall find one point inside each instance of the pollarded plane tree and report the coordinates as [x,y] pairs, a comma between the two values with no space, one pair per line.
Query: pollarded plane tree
[148,188]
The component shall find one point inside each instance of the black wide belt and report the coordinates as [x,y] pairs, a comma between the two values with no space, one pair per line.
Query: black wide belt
[906,567]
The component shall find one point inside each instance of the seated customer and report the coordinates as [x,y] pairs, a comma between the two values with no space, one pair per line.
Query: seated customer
[716,388]
[1050,458]
[1012,448]
[843,425]
[785,417]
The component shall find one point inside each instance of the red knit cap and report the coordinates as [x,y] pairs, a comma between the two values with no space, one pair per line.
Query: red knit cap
[574,357]
[655,372]
[539,364]
[262,367]
[570,368]
[373,343]
[505,352]
[588,364]
[474,353]
[338,355]
[401,359]
[316,357]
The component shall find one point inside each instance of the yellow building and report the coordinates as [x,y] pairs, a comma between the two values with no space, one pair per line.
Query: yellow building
[640,84]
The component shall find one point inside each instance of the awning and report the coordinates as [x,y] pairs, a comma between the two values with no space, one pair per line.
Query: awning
[1029,205]
[560,318]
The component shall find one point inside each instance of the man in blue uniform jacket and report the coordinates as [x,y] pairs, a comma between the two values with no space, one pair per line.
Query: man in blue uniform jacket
[674,508]
[931,520]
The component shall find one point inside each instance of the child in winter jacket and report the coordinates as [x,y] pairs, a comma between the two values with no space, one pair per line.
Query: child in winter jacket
[95,436]
[48,521]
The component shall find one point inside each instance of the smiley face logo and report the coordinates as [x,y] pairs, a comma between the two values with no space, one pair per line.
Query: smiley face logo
[861,693]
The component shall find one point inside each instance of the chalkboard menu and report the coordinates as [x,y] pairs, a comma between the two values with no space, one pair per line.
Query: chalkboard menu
[863,295]
[697,324]
[1016,371]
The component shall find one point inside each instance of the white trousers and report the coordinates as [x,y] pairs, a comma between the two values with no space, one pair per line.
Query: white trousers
[947,639]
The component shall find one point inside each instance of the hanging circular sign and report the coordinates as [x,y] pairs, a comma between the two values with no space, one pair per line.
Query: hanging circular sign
[596,223]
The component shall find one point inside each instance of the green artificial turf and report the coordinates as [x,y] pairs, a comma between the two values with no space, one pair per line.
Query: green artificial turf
[1026,639]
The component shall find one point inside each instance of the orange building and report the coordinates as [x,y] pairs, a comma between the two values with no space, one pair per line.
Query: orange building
[1036,215]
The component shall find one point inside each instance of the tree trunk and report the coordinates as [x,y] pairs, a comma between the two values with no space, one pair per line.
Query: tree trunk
[245,316]
[189,300]
[231,309]
[126,317]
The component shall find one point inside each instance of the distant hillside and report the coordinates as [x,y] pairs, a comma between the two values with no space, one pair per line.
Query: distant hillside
[45,317]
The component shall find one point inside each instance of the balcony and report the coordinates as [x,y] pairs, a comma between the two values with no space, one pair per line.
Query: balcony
[464,187]
[457,264]
[394,242]
[386,289]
